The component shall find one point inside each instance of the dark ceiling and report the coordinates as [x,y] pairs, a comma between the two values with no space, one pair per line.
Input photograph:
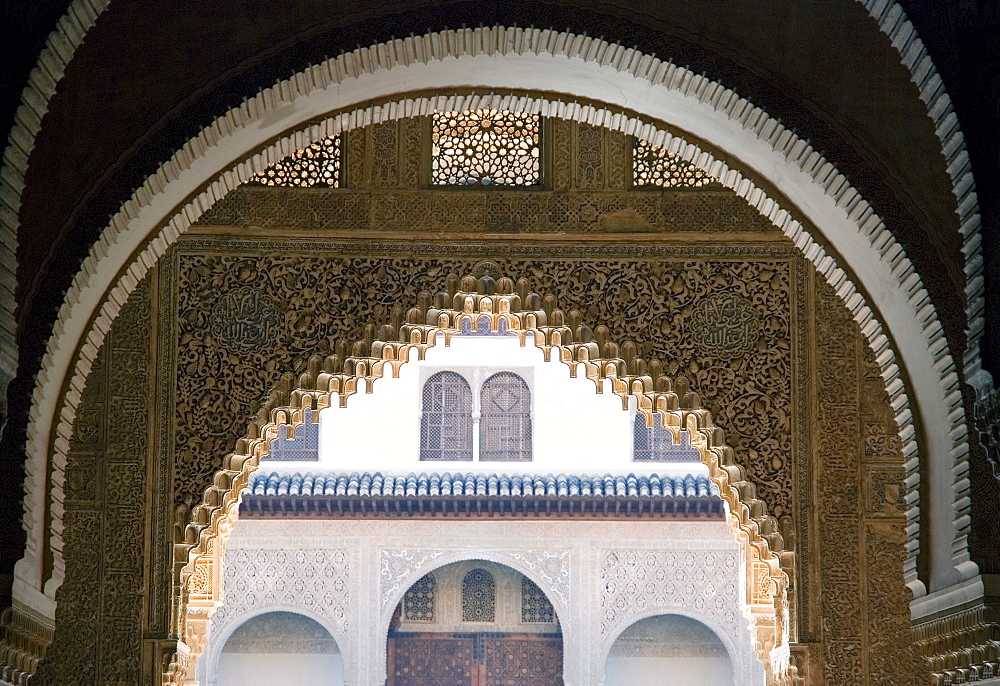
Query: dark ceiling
[151,74]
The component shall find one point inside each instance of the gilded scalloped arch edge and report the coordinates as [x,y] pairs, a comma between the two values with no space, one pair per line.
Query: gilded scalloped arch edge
[330,377]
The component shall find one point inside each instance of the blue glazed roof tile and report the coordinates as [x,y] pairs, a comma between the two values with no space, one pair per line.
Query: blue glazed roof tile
[377,485]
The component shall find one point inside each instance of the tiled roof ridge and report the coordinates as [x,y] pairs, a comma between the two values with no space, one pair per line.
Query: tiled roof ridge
[377,484]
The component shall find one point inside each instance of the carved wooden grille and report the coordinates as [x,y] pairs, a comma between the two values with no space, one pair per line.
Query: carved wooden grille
[653,166]
[656,444]
[505,427]
[535,607]
[479,597]
[418,603]
[315,166]
[526,662]
[446,421]
[485,148]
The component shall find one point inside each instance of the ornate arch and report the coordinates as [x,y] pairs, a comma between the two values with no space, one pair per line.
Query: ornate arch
[891,19]
[741,661]
[59,49]
[214,653]
[216,152]
[435,560]
[470,304]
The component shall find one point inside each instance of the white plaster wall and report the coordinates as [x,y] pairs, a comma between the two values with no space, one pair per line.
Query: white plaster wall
[575,429]
[280,669]
[657,671]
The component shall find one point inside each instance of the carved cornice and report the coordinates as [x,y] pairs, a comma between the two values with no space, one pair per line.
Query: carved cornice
[23,641]
[962,645]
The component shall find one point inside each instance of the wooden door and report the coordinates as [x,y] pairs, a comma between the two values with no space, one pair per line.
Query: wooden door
[480,659]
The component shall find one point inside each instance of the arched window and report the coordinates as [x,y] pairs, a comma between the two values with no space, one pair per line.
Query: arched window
[479,597]
[535,607]
[446,421]
[505,427]
[418,603]
[656,444]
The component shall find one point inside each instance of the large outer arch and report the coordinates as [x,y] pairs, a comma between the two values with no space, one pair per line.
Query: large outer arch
[210,165]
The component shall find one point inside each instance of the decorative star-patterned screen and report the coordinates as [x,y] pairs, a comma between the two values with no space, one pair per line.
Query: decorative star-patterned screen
[315,166]
[654,166]
[479,597]
[485,148]
[535,607]
[418,603]
[505,426]
[446,420]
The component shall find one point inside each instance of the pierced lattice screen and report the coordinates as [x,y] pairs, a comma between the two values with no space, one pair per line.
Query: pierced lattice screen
[656,444]
[535,607]
[418,603]
[479,597]
[653,166]
[484,148]
[303,448]
[315,166]
[505,424]
[446,420]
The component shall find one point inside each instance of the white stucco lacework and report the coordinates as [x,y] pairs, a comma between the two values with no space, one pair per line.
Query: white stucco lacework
[260,577]
[570,561]
[702,584]
[547,61]
[399,569]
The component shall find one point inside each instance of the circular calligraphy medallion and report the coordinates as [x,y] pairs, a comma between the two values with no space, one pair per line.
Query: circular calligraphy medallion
[246,318]
[724,325]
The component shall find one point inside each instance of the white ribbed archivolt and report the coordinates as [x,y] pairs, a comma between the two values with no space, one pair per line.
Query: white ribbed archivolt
[567,66]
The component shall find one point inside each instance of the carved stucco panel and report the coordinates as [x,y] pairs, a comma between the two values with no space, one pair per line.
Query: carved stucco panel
[636,581]
[400,567]
[314,579]
[703,584]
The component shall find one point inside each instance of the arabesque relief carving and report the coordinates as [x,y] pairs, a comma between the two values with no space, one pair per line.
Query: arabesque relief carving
[744,375]
[865,606]
[99,617]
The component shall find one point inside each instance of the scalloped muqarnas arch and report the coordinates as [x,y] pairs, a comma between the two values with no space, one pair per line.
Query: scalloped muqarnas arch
[499,306]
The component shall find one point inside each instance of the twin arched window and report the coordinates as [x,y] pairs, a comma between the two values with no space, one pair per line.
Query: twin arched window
[446,423]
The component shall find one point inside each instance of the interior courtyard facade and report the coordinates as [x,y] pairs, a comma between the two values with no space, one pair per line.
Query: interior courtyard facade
[530,344]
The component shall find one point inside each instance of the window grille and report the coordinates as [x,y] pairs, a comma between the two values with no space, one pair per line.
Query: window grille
[315,166]
[446,421]
[485,148]
[418,603]
[479,597]
[303,448]
[654,166]
[535,607]
[656,444]
[505,426]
